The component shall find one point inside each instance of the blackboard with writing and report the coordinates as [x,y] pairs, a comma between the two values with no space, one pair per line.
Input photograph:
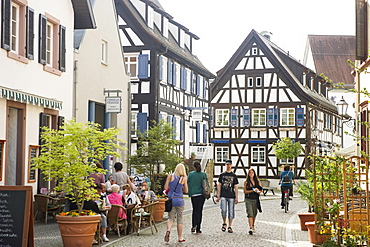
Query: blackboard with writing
[32,173]
[15,215]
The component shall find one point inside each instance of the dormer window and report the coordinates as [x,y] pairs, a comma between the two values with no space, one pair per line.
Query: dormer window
[165,27]
[254,51]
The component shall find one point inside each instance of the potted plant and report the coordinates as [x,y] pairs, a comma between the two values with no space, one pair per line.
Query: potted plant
[305,189]
[157,146]
[67,157]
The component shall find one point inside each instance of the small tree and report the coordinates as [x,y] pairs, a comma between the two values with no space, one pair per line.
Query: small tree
[156,146]
[68,156]
[286,148]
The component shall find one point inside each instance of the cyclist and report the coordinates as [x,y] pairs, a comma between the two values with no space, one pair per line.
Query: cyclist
[286,182]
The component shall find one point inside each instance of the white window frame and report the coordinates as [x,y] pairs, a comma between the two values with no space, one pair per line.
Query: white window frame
[222,117]
[287,161]
[130,63]
[250,81]
[259,81]
[258,154]
[259,117]
[165,28]
[150,17]
[134,123]
[104,52]
[49,43]
[222,154]
[164,69]
[287,116]
[14,27]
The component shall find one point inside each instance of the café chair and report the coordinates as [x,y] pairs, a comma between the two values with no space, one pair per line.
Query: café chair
[114,221]
[143,214]
[46,204]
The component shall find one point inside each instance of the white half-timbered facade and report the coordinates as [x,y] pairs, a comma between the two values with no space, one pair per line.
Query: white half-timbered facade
[261,95]
[167,80]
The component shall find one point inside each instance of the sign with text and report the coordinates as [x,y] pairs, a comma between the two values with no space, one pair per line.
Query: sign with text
[113,104]
[197,115]
[16,216]
[201,152]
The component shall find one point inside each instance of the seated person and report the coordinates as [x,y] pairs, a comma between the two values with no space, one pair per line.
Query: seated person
[108,184]
[117,199]
[146,194]
[131,200]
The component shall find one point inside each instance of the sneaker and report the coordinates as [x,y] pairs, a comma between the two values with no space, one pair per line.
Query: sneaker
[253,230]
[290,197]
[193,229]
[282,207]
[250,231]
[95,242]
[105,239]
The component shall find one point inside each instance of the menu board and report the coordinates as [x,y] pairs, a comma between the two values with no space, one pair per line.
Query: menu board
[16,219]
[33,153]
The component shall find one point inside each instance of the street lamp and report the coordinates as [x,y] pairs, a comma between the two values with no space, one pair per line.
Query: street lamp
[342,107]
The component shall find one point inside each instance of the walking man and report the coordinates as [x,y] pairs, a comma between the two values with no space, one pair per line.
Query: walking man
[227,188]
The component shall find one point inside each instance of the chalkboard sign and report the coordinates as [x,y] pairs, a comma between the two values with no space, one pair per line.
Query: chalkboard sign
[16,217]
[33,153]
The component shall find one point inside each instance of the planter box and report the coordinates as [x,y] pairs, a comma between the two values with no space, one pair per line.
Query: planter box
[314,237]
[305,217]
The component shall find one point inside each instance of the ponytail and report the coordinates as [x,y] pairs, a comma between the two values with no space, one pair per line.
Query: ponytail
[197,166]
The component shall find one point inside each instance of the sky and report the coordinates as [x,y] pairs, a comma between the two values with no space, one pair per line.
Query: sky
[222,26]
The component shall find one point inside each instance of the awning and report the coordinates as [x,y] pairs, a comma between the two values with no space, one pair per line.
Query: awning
[348,151]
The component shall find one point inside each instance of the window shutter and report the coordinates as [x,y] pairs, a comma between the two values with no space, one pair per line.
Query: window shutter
[142,121]
[182,77]
[174,74]
[185,79]
[5,24]
[160,116]
[30,33]
[197,127]
[160,68]
[205,133]
[234,117]
[60,122]
[169,72]
[211,118]
[270,116]
[42,39]
[62,48]
[181,129]
[300,116]
[174,126]
[197,89]
[246,117]
[276,116]
[43,123]
[143,60]
[204,88]
[169,118]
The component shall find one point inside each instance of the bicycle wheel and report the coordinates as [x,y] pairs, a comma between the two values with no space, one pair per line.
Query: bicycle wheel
[214,195]
[286,202]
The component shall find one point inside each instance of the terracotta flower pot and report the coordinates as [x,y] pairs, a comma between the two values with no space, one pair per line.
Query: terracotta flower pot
[159,210]
[305,217]
[314,236]
[78,231]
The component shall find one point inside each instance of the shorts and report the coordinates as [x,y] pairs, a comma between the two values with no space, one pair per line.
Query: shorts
[176,212]
[227,206]
[251,207]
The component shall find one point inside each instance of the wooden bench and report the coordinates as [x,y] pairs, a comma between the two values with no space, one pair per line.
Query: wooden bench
[266,189]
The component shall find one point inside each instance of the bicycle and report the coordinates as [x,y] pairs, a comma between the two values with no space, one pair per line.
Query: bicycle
[214,193]
[286,200]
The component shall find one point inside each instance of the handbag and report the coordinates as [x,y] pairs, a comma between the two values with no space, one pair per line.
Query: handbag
[168,203]
[206,190]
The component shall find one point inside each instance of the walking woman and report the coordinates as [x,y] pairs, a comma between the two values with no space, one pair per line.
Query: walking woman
[195,181]
[252,189]
[177,182]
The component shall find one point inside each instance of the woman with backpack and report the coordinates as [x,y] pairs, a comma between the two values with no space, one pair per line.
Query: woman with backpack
[286,183]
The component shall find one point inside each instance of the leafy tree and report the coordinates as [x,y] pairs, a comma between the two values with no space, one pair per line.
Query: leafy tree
[286,148]
[156,146]
[68,156]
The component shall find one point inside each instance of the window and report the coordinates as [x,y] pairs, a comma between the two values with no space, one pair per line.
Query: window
[258,154]
[259,117]
[104,52]
[52,44]
[131,64]
[222,154]
[163,69]
[287,161]
[287,117]
[254,51]
[17,33]
[165,27]
[133,124]
[222,117]
[258,81]
[250,81]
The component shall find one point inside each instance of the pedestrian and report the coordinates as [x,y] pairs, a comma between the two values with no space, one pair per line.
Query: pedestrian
[177,182]
[97,176]
[252,190]
[286,182]
[227,189]
[121,178]
[195,182]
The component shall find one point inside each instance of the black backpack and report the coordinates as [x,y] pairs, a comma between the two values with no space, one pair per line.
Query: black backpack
[286,178]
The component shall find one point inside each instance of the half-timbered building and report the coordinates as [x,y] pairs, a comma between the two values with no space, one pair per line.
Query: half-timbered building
[167,80]
[261,95]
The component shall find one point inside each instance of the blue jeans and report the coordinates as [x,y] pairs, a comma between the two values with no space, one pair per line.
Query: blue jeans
[227,205]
